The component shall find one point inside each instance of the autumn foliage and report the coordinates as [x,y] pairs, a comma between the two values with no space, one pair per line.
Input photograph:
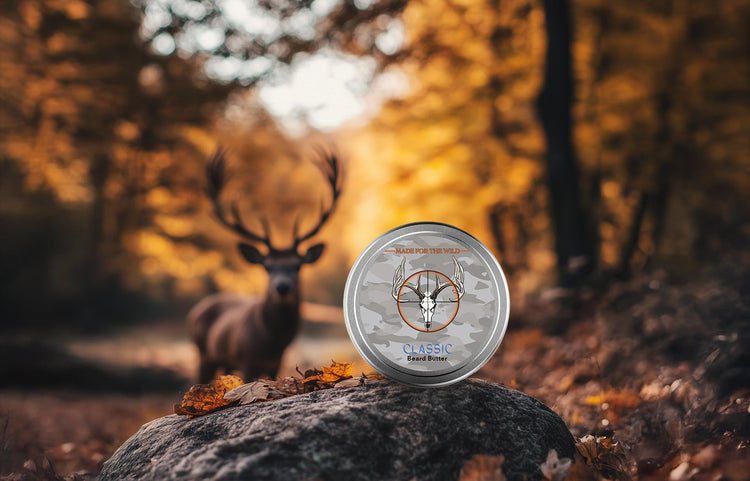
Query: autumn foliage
[230,390]
[330,374]
[103,142]
[205,398]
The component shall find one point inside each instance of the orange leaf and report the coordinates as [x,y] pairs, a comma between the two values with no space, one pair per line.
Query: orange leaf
[594,400]
[616,398]
[204,398]
[624,399]
[603,452]
[335,372]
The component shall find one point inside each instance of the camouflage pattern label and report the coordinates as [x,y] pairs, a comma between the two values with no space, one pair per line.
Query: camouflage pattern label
[426,304]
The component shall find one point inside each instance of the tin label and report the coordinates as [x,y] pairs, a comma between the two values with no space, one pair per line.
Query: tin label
[428,303]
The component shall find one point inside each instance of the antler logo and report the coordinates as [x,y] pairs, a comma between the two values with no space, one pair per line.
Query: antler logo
[444,291]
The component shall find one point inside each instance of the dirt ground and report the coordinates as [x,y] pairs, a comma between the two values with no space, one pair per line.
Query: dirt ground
[661,368]
[52,433]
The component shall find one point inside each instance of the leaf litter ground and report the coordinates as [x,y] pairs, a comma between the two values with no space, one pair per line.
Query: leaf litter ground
[653,379]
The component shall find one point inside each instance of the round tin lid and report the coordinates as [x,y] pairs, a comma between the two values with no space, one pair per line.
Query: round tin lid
[426,304]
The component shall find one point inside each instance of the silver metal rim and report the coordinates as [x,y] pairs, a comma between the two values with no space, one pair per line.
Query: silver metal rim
[387,367]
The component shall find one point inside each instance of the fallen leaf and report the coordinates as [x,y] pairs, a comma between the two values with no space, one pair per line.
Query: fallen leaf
[654,391]
[580,471]
[204,398]
[616,398]
[565,383]
[706,458]
[528,338]
[248,393]
[284,387]
[352,382]
[335,372]
[483,467]
[604,454]
[683,472]
[555,469]
[227,390]
[587,448]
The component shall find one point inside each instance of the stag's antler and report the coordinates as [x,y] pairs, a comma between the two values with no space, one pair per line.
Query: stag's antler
[417,288]
[329,165]
[398,281]
[457,279]
[439,288]
[217,177]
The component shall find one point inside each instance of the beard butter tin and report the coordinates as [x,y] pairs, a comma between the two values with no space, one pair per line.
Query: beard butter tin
[426,304]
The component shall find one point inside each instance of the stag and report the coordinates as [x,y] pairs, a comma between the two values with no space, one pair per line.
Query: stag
[234,332]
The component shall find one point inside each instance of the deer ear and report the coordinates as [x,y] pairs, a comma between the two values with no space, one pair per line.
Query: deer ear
[250,253]
[313,253]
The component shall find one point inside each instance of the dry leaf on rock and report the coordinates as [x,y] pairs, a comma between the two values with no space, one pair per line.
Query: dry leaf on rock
[248,393]
[227,390]
[352,382]
[204,398]
[483,467]
[333,373]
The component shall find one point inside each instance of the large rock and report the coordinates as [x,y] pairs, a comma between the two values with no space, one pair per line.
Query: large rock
[380,431]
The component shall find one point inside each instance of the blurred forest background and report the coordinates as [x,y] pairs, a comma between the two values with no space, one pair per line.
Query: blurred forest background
[109,109]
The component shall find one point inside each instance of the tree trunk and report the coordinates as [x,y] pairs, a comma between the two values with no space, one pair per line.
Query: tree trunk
[631,244]
[574,249]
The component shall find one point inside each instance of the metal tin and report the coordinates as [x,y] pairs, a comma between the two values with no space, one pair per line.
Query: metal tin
[426,304]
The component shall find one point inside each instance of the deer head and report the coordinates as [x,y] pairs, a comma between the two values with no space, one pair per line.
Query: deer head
[428,300]
[282,265]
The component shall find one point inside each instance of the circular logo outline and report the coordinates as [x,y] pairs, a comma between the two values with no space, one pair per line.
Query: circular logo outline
[452,286]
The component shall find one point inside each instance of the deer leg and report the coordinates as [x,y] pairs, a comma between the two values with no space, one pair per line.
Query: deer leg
[250,373]
[254,371]
[206,371]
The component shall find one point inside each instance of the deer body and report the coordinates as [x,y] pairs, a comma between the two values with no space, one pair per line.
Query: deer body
[248,334]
